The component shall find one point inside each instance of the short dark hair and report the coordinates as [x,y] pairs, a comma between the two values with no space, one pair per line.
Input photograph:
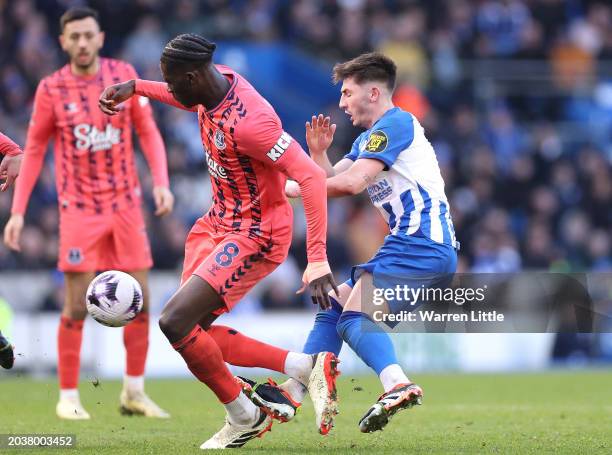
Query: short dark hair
[372,66]
[188,49]
[78,13]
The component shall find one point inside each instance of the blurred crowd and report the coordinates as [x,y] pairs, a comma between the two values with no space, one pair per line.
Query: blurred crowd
[515,96]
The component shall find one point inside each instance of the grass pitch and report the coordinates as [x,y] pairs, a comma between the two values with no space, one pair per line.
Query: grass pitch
[559,412]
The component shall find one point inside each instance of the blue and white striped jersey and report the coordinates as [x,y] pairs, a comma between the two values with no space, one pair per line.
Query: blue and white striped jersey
[409,191]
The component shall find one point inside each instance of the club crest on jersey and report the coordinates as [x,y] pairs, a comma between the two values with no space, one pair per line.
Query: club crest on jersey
[280,147]
[215,169]
[71,107]
[377,142]
[75,256]
[90,137]
[219,140]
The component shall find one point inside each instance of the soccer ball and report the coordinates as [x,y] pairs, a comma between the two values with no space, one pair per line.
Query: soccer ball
[114,298]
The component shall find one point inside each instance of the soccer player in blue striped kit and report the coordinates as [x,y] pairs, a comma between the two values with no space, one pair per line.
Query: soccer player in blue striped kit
[397,165]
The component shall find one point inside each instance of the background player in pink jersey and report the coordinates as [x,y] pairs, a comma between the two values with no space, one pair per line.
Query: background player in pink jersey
[244,236]
[9,170]
[101,223]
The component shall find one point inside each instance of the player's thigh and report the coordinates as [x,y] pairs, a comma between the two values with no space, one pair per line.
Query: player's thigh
[130,249]
[142,276]
[194,301]
[76,289]
[236,265]
[344,291]
[361,297]
[81,238]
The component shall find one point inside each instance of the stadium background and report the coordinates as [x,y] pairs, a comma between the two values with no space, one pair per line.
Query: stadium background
[515,96]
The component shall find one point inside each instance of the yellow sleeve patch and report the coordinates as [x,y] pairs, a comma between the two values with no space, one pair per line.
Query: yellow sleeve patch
[377,142]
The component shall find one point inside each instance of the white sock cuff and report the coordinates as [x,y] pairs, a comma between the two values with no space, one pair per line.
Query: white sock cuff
[69,394]
[133,382]
[391,376]
[298,366]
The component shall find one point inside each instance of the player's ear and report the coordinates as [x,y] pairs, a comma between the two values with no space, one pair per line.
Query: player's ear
[191,78]
[101,38]
[374,93]
[62,41]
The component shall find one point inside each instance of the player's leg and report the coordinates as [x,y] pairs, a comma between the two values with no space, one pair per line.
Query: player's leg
[316,372]
[195,300]
[133,399]
[239,349]
[235,266]
[69,338]
[374,346]
[322,337]
[80,237]
[7,358]
[128,250]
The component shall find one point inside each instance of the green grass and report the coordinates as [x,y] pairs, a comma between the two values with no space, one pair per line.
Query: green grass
[515,413]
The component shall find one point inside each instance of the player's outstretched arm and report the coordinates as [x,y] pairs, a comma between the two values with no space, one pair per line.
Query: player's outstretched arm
[355,179]
[311,181]
[263,138]
[114,95]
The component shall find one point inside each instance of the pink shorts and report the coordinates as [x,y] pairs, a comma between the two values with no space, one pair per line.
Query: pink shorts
[231,263]
[116,241]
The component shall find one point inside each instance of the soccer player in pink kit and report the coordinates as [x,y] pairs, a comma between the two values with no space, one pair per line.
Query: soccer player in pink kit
[99,196]
[9,170]
[244,236]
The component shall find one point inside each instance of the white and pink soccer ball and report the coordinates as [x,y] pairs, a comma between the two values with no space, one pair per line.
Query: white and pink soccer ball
[114,298]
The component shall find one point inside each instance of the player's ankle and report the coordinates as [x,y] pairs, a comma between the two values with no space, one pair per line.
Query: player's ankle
[69,394]
[392,376]
[295,389]
[242,411]
[299,366]
[133,384]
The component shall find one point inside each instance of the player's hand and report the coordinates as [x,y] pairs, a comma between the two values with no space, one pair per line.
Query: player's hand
[320,280]
[319,134]
[9,170]
[292,189]
[12,231]
[164,200]
[114,95]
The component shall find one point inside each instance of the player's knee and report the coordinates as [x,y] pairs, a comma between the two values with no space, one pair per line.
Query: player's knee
[75,312]
[166,326]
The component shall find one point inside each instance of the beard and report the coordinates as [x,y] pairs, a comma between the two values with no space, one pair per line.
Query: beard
[84,63]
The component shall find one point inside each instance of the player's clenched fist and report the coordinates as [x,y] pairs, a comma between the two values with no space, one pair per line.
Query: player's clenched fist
[113,96]
[12,231]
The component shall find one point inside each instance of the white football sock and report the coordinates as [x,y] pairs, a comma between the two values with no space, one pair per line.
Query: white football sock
[295,389]
[133,383]
[241,411]
[298,366]
[393,375]
[69,394]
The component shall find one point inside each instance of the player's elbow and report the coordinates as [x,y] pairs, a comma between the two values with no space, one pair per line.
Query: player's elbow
[319,175]
[353,187]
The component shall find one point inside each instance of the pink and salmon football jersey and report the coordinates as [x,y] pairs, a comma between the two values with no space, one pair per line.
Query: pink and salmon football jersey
[94,161]
[249,157]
